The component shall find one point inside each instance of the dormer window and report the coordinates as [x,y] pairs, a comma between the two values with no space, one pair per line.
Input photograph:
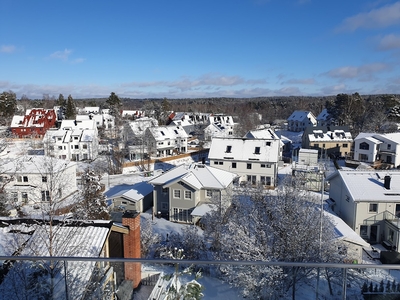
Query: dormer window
[228,149]
[257,150]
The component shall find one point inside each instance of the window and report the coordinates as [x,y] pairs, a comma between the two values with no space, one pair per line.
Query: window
[265,165]
[233,165]
[268,144]
[14,196]
[24,197]
[188,195]
[165,190]
[373,207]
[84,146]
[44,178]
[249,166]
[389,146]
[45,196]
[75,137]
[162,133]
[228,149]
[252,179]
[220,162]
[215,163]
[363,146]
[323,145]
[164,205]
[59,147]
[364,231]
[391,235]
[76,147]
[209,193]
[51,147]
[345,145]
[25,178]
[182,215]
[257,150]
[316,145]
[177,194]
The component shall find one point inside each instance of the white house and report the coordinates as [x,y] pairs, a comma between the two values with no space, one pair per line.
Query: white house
[255,160]
[369,202]
[299,120]
[166,140]
[36,179]
[371,147]
[219,126]
[180,190]
[74,140]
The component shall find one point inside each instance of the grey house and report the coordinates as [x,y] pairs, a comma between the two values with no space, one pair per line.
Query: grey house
[180,190]
[137,197]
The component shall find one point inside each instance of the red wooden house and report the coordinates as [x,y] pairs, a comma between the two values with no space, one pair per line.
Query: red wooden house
[34,124]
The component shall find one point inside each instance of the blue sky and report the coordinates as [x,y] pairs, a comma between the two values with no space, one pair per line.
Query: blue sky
[192,48]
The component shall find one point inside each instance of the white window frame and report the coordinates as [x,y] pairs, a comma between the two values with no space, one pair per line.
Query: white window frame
[188,193]
[177,191]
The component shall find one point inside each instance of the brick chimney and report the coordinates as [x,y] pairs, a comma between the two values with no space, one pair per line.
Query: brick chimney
[132,247]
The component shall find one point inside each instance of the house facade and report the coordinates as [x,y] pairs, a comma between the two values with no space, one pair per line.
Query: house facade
[372,147]
[333,141]
[219,126]
[180,190]
[38,179]
[34,123]
[255,160]
[75,140]
[135,198]
[299,120]
[369,202]
[166,140]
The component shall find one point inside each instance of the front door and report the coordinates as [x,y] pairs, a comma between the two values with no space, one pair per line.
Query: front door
[373,236]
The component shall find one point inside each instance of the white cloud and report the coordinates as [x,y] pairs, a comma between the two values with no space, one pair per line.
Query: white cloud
[389,42]
[63,55]
[8,48]
[301,81]
[354,72]
[377,18]
[208,80]
[78,60]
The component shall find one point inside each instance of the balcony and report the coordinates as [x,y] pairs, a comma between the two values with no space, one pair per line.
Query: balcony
[347,281]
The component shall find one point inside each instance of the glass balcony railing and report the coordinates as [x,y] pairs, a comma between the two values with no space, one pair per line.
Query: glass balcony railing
[129,278]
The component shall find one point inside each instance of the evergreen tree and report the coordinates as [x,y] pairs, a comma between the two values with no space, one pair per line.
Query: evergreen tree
[364,288]
[114,103]
[371,287]
[381,287]
[93,204]
[70,112]
[388,285]
[61,101]
[8,105]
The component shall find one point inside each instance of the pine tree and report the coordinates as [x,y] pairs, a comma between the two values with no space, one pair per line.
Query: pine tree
[364,288]
[114,103]
[93,203]
[381,286]
[70,111]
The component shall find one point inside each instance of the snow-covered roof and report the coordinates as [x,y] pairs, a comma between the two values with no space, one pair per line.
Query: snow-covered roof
[245,149]
[196,175]
[35,164]
[161,133]
[140,125]
[369,185]
[133,193]
[202,209]
[84,240]
[344,231]
[379,138]
[266,133]
[301,115]
[323,116]
[78,124]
